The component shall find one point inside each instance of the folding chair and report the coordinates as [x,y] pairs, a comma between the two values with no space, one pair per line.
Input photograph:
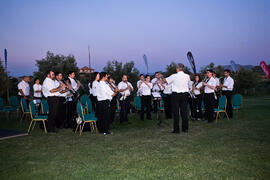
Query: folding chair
[35,117]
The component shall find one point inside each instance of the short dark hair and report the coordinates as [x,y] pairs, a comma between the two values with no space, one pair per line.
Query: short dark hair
[102,74]
[57,73]
[36,79]
[180,66]
[110,77]
[147,75]
[124,75]
[141,75]
[227,70]
[156,72]
[48,72]
[70,72]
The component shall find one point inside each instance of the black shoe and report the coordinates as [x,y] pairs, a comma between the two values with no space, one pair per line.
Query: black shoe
[175,132]
[185,131]
[210,121]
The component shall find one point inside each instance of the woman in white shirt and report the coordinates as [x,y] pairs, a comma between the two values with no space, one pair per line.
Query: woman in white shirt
[145,89]
[167,99]
[209,96]
[93,89]
[37,89]
[197,101]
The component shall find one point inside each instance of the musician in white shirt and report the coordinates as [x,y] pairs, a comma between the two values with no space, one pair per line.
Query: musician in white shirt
[104,96]
[179,82]
[197,101]
[37,89]
[227,89]
[113,103]
[138,84]
[125,89]
[93,89]
[145,89]
[209,96]
[167,99]
[217,94]
[62,105]
[24,89]
[157,90]
[49,90]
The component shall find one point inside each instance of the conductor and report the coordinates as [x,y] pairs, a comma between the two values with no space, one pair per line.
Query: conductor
[179,81]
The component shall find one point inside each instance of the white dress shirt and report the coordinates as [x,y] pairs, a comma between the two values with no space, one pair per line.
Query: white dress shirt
[167,89]
[179,81]
[146,90]
[199,85]
[103,91]
[94,88]
[74,84]
[217,81]
[57,84]
[37,87]
[229,82]
[48,84]
[211,82]
[123,85]
[139,93]
[90,89]
[24,86]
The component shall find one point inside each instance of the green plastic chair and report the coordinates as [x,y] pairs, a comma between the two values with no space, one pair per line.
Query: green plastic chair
[117,106]
[44,107]
[221,107]
[203,107]
[237,101]
[86,118]
[138,103]
[35,117]
[25,109]
[14,103]
[89,107]
[84,99]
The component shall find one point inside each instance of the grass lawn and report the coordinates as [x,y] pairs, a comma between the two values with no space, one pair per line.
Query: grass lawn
[235,149]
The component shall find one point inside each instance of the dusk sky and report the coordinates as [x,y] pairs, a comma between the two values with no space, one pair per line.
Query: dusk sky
[215,31]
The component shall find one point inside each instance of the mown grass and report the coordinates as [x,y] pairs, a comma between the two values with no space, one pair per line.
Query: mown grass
[235,149]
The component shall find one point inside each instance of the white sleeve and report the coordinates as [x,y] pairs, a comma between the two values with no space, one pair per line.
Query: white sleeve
[130,85]
[20,86]
[230,84]
[120,86]
[170,79]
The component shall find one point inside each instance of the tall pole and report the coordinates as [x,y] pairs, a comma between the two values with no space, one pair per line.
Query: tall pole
[89,57]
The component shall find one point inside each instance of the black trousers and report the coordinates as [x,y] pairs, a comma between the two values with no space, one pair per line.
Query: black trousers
[103,109]
[216,100]
[70,114]
[197,106]
[146,102]
[61,114]
[125,106]
[53,102]
[167,99]
[180,100]
[229,110]
[190,103]
[113,104]
[156,103]
[209,100]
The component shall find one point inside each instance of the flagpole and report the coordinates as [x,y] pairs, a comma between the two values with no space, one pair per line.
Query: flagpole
[89,57]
